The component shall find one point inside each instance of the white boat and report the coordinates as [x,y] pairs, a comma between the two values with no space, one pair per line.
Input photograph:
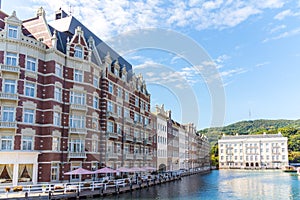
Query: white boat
[298,171]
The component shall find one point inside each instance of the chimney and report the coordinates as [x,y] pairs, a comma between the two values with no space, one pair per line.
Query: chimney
[60,14]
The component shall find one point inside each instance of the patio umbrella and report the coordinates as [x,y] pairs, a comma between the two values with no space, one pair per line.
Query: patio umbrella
[137,169]
[149,168]
[105,170]
[79,171]
[124,169]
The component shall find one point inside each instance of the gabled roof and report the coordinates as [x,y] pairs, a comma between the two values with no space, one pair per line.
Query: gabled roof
[66,28]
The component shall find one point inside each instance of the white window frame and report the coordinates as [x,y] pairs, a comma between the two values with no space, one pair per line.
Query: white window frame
[95,102]
[58,70]
[55,143]
[31,64]
[8,114]
[12,31]
[27,143]
[76,145]
[110,106]
[57,118]
[9,86]
[110,87]
[136,101]
[11,59]
[126,96]
[77,121]
[28,116]
[6,142]
[110,126]
[77,98]
[119,111]
[78,75]
[54,172]
[58,94]
[96,81]
[78,51]
[29,89]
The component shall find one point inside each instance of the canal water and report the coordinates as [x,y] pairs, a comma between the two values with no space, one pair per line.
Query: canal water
[224,185]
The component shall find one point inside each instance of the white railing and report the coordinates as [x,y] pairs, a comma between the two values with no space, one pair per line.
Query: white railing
[77,155]
[4,95]
[10,68]
[78,107]
[78,130]
[128,156]
[112,155]
[112,135]
[138,156]
[4,124]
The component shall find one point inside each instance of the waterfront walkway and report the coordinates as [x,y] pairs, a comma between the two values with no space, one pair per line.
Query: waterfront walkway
[93,189]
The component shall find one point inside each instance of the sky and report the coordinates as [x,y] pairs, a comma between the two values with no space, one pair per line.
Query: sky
[212,63]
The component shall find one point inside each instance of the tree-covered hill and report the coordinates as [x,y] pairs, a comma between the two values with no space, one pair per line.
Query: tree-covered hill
[288,128]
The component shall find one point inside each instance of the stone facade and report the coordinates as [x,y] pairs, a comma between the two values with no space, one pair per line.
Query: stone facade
[253,151]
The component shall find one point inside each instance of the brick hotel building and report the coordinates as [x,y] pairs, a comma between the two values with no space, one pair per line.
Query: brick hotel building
[68,100]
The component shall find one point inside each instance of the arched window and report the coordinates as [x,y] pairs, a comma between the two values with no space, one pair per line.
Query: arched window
[78,52]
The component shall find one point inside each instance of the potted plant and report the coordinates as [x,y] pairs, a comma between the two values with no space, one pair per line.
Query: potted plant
[17,188]
[7,189]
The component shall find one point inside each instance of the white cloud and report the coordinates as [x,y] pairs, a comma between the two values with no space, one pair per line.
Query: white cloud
[262,64]
[110,17]
[283,14]
[277,28]
[285,34]
[286,13]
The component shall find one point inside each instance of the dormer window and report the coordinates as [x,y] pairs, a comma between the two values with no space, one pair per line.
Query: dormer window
[78,52]
[117,72]
[12,31]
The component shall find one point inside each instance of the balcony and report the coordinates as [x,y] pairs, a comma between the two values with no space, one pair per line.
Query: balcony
[128,138]
[128,156]
[148,127]
[112,135]
[9,68]
[137,140]
[4,124]
[78,107]
[81,131]
[138,123]
[112,156]
[111,114]
[128,120]
[77,155]
[138,156]
[148,156]
[9,96]
[147,141]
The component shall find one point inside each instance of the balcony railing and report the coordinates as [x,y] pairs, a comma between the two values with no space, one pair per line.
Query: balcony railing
[148,156]
[10,68]
[148,127]
[112,155]
[138,140]
[128,120]
[11,96]
[138,156]
[128,156]
[111,114]
[78,107]
[4,124]
[112,135]
[128,138]
[77,155]
[77,130]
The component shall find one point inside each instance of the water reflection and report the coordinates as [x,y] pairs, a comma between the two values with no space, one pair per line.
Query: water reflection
[223,185]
